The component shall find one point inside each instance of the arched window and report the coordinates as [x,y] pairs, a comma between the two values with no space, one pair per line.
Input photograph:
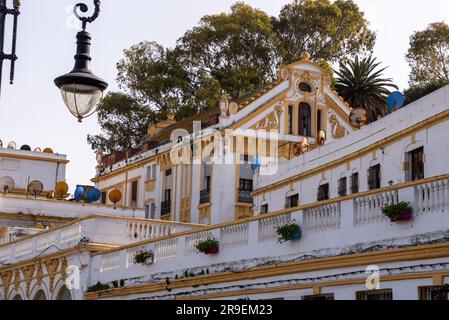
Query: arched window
[305,87]
[40,295]
[64,294]
[305,120]
[17,297]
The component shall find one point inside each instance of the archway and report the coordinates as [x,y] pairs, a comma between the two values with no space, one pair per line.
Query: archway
[17,297]
[64,294]
[40,295]
[305,120]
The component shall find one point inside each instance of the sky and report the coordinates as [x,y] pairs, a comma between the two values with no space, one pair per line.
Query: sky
[32,111]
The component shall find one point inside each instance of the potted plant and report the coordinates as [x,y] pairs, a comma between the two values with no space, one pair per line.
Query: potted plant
[288,232]
[208,246]
[144,257]
[398,212]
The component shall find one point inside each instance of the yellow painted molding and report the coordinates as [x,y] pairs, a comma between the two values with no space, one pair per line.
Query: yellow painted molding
[35,158]
[424,252]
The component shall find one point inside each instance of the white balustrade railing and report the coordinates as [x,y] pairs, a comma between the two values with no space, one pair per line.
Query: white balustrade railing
[322,218]
[369,209]
[167,249]
[234,236]
[193,239]
[131,253]
[140,230]
[433,196]
[110,261]
[267,226]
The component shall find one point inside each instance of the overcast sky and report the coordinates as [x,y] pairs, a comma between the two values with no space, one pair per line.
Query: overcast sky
[32,111]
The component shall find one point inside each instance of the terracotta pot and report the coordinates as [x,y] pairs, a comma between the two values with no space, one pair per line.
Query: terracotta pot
[405,216]
[213,250]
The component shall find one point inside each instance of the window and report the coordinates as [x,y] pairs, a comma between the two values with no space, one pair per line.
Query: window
[342,187]
[374,177]
[327,296]
[305,87]
[305,119]
[417,164]
[433,293]
[246,185]
[104,198]
[318,121]
[264,209]
[290,119]
[323,192]
[292,201]
[355,183]
[147,211]
[386,294]
[151,173]
[134,194]
[150,211]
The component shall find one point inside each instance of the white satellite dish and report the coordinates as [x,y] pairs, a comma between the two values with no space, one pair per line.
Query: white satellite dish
[7,184]
[12,145]
[35,188]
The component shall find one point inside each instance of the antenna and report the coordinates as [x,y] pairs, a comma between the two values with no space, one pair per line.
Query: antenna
[35,188]
[358,117]
[7,184]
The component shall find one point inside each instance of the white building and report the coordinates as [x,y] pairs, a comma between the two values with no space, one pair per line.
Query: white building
[333,190]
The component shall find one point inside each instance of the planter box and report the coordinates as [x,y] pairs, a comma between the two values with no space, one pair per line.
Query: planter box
[405,216]
[213,250]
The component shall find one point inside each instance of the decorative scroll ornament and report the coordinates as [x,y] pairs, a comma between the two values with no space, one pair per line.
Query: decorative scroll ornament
[271,121]
[338,131]
[63,268]
[6,282]
[28,273]
[16,280]
[52,267]
[84,8]
[39,274]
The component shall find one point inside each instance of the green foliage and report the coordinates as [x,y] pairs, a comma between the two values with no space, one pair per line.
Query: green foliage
[286,231]
[142,256]
[327,30]
[362,85]
[238,51]
[428,55]
[98,287]
[418,91]
[395,210]
[207,244]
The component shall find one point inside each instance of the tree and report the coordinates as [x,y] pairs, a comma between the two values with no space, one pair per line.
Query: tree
[123,121]
[327,30]
[237,49]
[361,85]
[418,91]
[428,55]
[239,52]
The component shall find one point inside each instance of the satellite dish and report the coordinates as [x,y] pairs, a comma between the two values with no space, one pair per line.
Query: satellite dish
[395,100]
[37,149]
[322,137]
[304,145]
[48,150]
[358,117]
[35,188]
[256,164]
[79,194]
[25,147]
[7,184]
[1,144]
[115,196]
[93,195]
[61,189]
[12,145]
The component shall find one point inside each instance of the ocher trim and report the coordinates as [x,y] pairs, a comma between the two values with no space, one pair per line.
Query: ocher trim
[366,150]
[35,158]
[361,259]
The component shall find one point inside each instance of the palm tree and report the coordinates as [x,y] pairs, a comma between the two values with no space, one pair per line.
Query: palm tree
[362,86]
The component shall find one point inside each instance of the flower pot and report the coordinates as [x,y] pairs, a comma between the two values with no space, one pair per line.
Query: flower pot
[213,250]
[294,236]
[405,216]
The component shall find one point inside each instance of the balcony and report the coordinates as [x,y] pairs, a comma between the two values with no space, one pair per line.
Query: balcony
[165,207]
[204,196]
[245,196]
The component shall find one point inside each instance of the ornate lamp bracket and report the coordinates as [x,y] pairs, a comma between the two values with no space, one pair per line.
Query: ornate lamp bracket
[84,8]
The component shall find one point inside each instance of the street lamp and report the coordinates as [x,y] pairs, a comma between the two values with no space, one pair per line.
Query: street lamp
[80,88]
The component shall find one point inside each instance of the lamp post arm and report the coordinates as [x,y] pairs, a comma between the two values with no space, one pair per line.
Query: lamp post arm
[84,8]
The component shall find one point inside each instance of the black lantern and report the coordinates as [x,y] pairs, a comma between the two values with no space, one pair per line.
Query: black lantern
[81,89]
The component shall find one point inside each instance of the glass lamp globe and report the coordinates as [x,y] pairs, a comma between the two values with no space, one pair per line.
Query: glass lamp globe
[81,100]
